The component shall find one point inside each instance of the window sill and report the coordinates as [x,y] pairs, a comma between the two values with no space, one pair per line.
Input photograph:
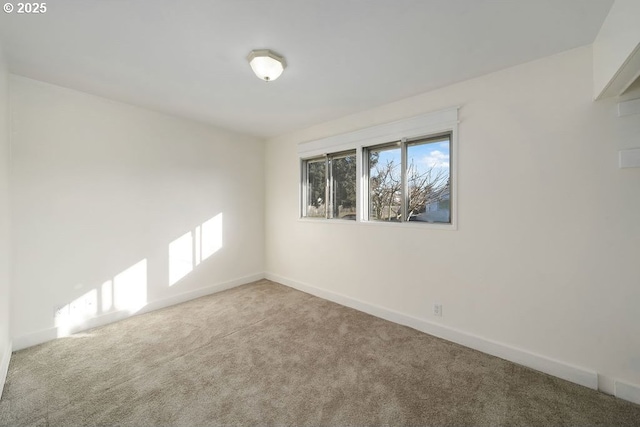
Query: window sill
[411,225]
[327,221]
[407,225]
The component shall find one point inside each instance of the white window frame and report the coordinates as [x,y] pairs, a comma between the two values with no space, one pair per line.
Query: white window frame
[422,126]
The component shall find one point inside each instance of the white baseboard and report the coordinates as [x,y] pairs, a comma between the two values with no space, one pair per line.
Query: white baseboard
[566,371]
[628,392]
[4,366]
[35,338]
[197,293]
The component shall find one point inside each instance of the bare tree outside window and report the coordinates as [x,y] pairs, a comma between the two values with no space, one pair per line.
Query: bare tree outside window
[426,166]
[385,184]
[429,181]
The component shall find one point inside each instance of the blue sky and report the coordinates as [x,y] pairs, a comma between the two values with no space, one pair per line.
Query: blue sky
[424,156]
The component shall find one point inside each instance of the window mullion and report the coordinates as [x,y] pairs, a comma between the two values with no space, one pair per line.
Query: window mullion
[362,185]
[327,194]
[305,188]
[404,195]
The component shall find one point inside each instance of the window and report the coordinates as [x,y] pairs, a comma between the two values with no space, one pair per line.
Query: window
[329,187]
[401,173]
[410,180]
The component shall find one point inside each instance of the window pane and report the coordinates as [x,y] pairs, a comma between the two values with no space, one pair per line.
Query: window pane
[316,183]
[343,187]
[429,180]
[385,184]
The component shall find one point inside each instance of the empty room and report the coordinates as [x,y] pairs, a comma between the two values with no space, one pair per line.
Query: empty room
[336,212]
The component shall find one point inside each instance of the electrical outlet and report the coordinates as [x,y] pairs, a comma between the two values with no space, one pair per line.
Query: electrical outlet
[437,309]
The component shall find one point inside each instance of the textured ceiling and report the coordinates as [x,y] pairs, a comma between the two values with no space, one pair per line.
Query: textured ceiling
[188,58]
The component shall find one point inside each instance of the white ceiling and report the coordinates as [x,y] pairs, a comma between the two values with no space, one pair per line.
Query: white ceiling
[188,58]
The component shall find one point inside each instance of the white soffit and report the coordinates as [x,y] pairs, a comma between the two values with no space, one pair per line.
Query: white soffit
[422,125]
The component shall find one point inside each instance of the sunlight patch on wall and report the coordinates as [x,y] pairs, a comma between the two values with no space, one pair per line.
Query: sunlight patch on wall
[126,292]
[211,236]
[107,295]
[130,288]
[198,242]
[193,247]
[76,312]
[180,257]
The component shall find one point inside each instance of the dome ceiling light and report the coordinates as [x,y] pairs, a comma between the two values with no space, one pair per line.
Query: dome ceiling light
[266,64]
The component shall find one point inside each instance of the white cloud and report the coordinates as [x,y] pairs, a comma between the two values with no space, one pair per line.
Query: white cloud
[437,159]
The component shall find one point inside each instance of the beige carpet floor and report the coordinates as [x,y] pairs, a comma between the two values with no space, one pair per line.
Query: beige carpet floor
[264,354]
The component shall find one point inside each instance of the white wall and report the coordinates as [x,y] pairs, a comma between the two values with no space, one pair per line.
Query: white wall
[545,258]
[5,241]
[102,186]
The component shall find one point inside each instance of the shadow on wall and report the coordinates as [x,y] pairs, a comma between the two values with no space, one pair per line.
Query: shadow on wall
[126,292]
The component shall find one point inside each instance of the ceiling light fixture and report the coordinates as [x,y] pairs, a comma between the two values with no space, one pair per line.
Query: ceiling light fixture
[266,64]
